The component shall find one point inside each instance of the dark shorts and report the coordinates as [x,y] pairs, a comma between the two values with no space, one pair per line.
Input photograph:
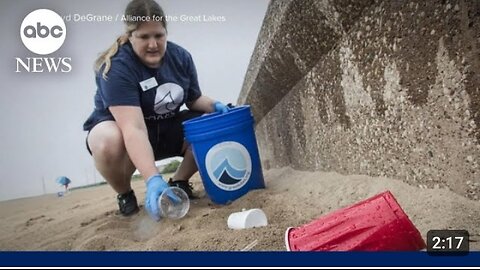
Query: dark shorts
[166,136]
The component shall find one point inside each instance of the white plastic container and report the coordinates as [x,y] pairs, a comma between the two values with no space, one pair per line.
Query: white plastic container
[247,219]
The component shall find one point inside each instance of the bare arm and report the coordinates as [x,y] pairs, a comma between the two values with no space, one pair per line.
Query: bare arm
[202,104]
[135,135]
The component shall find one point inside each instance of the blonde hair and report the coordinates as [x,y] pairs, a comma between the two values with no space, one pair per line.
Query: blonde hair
[144,8]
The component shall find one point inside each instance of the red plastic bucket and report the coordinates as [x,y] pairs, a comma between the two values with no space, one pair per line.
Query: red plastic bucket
[375,224]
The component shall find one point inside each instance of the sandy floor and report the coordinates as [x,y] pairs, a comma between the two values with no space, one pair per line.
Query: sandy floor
[86,219]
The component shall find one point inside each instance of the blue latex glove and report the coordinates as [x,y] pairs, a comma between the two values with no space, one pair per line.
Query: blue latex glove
[220,107]
[155,186]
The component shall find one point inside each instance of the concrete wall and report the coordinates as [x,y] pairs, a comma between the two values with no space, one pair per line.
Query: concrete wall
[383,88]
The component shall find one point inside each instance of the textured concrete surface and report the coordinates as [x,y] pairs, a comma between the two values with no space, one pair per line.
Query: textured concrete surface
[383,88]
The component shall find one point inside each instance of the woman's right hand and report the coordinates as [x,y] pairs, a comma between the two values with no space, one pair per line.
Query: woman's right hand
[155,186]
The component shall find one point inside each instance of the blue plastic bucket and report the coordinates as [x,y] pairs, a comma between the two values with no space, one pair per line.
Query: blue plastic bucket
[226,153]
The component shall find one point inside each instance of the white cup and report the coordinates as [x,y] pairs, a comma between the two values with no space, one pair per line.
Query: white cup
[247,219]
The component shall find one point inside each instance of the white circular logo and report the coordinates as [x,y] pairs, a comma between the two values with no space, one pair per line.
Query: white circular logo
[43,31]
[168,98]
[229,165]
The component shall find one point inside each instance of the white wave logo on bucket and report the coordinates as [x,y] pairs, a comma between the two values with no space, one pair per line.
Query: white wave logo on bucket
[228,165]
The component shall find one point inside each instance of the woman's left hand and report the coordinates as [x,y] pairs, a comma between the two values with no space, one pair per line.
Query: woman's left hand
[220,107]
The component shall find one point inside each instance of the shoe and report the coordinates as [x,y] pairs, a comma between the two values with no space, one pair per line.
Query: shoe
[185,185]
[127,203]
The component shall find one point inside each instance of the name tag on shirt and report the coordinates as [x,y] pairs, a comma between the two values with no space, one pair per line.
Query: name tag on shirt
[148,84]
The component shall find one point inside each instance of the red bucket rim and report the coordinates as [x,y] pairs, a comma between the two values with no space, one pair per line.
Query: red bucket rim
[287,242]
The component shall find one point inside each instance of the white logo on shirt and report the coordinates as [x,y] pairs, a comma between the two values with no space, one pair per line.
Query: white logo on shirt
[168,98]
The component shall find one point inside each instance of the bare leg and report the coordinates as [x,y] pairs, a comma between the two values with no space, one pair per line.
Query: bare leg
[188,166]
[111,158]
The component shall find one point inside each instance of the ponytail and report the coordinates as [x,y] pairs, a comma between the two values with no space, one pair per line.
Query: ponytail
[105,57]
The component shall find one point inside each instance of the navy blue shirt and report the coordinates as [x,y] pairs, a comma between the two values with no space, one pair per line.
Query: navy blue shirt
[160,92]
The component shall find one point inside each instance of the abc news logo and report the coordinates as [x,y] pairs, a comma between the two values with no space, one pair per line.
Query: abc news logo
[43,32]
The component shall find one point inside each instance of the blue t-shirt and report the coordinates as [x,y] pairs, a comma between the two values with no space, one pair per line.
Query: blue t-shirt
[160,92]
